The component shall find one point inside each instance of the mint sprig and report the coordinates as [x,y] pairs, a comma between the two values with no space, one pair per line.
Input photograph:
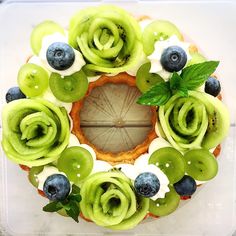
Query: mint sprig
[190,78]
[70,204]
[158,95]
[195,75]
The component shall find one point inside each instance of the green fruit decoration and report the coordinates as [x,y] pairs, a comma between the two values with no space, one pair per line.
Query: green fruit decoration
[201,164]
[43,29]
[199,120]
[109,200]
[35,131]
[108,37]
[165,206]
[170,161]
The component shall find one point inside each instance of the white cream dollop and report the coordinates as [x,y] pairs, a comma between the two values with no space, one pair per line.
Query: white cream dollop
[101,166]
[45,173]
[156,144]
[141,165]
[48,95]
[144,23]
[160,46]
[142,60]
[57,37]
[37,61]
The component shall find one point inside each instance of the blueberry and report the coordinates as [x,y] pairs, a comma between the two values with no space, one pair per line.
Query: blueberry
[212,86]
[186,186]
[60,56]
[14,93]
[56,187]
[147,184]
[173,58]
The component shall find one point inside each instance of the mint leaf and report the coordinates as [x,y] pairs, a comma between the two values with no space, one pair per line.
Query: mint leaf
[70,205]
[158,95]
[75,189]
[75,197]
[195,75]
[183,91]
[175,81]
[74,211]
[53,207]
[177,85]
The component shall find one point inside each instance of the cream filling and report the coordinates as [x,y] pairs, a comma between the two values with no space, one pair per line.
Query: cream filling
[57,37]
[160,46]
[45,173]
[133,71]
[140,166]
[48,95]
[144,23]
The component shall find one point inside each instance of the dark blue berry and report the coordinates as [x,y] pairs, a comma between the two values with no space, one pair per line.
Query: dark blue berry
[212,86]
[14,93]
[56,187]
[60,56]
[147,184]
[173,58]
[186,186]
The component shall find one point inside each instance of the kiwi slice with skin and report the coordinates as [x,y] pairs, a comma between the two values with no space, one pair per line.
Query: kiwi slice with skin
[145,80]
[201,164]
[69,88]
[200,120]
[218,120]
[109,200]
[138,216]
[108,37]
[170,161]
[165,206]
[158,30]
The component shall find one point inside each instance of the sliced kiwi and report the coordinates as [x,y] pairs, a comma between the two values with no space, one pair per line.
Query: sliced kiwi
[218,119]
[69,88]
[108,37]
[109,200]
[165,206]
[200,120]
[201,164]
[146,80]
[158,30]
[170,161]
[138,216]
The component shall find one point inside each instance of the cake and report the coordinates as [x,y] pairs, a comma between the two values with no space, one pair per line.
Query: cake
[42,127]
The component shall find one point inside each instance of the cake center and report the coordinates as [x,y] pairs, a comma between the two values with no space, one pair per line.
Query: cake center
[112,120]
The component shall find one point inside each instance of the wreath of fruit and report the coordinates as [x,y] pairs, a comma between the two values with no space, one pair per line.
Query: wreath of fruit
[174,78]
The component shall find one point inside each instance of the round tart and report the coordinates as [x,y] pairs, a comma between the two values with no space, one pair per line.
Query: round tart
[43,127]
[112,158]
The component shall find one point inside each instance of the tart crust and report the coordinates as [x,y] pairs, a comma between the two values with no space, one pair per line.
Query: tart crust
[112,158]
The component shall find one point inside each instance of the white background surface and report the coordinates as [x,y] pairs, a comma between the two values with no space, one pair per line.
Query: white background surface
[212,211]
